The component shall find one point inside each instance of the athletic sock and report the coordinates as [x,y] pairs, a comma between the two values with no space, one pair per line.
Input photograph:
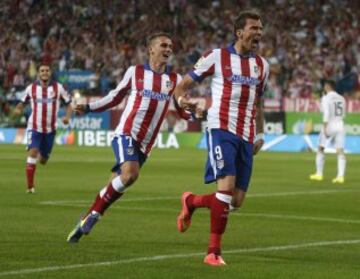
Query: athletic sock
[341,165]
[219,212]
[320,161]
[30,171]
[107,196]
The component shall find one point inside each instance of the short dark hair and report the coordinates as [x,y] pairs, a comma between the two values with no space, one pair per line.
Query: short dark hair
[240,21]
[43,63]
[155,35]
[330,82]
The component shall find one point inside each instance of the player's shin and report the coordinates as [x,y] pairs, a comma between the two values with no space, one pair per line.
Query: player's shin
[219,212]
[107,196]
[30,172]
[341,165]
[320,161]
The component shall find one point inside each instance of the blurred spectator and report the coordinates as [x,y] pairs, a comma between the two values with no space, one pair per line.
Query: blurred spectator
[305,41]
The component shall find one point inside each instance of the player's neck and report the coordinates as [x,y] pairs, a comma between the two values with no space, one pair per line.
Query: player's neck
[241,49]
[44,83]
[157,67]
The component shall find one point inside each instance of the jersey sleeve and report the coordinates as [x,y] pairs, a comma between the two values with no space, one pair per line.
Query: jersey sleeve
[115,96]
[204,67]
[64,94]
[26,94]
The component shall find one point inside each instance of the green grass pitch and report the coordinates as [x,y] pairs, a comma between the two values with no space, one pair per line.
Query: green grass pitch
[288,227]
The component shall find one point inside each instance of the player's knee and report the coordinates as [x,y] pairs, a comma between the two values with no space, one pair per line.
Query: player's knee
[237,200]
[236,204]
[33,152]
[43,161]
[129,178]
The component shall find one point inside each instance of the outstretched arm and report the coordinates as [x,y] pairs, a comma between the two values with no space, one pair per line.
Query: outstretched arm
[113,98]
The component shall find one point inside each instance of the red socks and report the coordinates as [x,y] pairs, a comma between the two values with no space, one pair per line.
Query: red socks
[218,203]
[219,213]
[104,199]
[30,173]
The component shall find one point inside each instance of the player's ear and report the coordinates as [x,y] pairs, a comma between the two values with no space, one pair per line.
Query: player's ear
[239,33]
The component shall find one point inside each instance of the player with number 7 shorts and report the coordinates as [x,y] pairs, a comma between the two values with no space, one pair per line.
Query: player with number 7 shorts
[151,89]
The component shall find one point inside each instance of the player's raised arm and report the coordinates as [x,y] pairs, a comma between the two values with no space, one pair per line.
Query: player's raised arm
[113,98]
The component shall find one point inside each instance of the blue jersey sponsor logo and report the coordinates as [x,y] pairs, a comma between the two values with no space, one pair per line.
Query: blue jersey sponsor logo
[154,95]
[45,100]
[239,79]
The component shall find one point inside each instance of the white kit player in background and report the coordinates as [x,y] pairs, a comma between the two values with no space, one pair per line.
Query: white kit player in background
[333,108]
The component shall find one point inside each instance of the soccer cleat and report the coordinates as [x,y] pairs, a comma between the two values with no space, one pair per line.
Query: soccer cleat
[75,235]
[316,177]
[84,226]
[338,180]
[214,260]
[184,218]
[31,190]
[88,222]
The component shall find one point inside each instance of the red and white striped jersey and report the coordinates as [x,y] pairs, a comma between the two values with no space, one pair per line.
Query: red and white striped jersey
[237,84]
[147,105]
[45,102]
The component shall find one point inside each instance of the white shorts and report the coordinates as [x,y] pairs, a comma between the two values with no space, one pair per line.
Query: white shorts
[336,134]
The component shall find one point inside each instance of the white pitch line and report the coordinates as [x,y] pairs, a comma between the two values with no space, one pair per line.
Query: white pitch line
[177,256]
[258,195]
[297,217]
[64,202]
[300,193]
[262,215]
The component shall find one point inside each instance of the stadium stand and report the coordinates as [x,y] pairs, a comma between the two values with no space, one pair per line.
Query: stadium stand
[304,41]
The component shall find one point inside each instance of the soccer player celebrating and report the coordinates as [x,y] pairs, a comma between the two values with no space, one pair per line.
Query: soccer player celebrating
[151,88]
[44,96]
[234,126]
[333,109]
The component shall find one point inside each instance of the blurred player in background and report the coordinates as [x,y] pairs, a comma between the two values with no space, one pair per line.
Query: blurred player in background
[234,128]
[151,88]
[44,97]
[333,108]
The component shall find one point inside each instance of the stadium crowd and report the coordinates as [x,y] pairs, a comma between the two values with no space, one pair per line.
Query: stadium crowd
[305,41]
